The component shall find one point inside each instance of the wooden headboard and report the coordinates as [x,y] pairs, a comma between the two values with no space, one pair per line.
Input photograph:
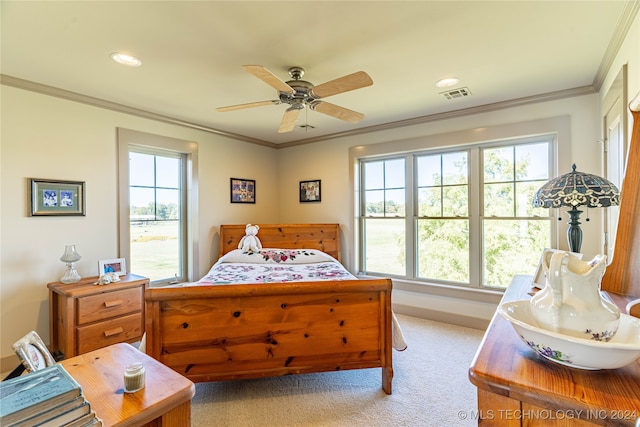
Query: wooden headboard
[325,237]
[623,274]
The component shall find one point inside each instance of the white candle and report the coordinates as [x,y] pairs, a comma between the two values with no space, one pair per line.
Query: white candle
[134,377]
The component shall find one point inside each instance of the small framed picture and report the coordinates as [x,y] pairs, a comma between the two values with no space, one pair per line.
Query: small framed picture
[32,352]
[243,190]
[117,266]
[54,197]
[310,191]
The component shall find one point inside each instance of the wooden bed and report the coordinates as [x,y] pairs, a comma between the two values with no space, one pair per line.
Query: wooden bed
[228,332]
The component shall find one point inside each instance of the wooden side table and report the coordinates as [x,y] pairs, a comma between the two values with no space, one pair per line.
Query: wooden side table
[516,387]
[165,401]
[84,316]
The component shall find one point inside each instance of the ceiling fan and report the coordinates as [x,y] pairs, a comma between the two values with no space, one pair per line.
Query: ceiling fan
[299,93]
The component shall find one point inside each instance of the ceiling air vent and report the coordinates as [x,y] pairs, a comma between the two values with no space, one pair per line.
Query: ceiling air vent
[456,93]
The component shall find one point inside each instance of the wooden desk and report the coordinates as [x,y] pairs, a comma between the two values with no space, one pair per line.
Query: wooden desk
[164,402]
[516,387]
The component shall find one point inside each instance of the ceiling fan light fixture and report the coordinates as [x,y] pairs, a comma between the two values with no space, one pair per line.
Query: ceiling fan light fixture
[125,59]
[299,94]
[447,82]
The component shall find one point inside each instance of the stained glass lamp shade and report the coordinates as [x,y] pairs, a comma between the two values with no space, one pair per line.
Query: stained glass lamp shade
[574,190]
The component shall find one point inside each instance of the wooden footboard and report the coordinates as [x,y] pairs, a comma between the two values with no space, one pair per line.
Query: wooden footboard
[223,332]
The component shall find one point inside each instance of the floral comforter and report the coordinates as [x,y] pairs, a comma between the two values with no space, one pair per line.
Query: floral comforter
[275,266]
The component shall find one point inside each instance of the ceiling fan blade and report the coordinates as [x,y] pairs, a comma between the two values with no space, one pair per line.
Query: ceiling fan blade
[248,105]
[342,84]
[289,120]
[336,111]
[269,78]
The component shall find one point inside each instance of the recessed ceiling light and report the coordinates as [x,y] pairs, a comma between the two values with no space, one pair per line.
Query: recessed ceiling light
[123,58]
[449,81]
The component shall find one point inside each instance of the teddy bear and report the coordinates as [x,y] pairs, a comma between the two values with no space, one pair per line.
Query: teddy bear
[250,242]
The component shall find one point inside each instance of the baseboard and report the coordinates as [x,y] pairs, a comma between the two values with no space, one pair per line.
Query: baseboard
[442,316]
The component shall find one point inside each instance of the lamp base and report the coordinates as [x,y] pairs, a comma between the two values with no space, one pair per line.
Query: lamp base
[574,232]
[71,275]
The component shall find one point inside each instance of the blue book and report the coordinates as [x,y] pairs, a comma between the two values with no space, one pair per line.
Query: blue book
[28,395]
[78,406]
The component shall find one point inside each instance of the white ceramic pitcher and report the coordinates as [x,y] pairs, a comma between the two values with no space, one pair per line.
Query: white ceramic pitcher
[571,302]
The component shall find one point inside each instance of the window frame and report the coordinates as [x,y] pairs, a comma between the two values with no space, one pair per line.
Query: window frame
[183,261]
[156,144]
[471,191]
[475,213]
[557,129]
[362,208]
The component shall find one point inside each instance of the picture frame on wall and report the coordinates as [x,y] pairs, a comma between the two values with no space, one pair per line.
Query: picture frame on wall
[310,191]
[243,190]
[116,265]
[49,197]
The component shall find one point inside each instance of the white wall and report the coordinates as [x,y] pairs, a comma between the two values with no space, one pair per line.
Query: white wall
[51,138]
[46,137]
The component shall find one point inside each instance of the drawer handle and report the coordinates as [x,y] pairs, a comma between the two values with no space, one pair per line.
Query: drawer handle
[112,332]
[114,303]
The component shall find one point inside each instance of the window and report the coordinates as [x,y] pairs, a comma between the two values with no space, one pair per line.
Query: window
[460,217]
[512,229]
[158,210]
[443,216]
[384,204]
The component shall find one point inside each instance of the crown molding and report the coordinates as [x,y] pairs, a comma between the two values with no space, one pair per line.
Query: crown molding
[101,103]
[121,108]
[551,96]
[622,29]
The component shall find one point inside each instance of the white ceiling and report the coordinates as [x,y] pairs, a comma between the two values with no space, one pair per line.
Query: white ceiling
[192,53]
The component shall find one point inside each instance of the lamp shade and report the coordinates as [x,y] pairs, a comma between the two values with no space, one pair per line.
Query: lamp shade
[70,254]
[576,189]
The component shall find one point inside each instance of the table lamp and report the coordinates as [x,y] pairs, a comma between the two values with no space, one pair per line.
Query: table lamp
[70,256]
[575,190]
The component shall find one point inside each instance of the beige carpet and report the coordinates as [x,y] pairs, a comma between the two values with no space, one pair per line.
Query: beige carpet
[430,388]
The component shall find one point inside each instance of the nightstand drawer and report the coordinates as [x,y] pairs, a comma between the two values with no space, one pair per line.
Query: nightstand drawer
[109,304]
[126,328]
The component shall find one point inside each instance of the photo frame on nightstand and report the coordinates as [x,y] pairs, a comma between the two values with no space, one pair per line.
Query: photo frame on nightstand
[117,266]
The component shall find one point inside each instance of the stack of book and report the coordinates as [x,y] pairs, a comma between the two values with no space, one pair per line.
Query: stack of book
[49,397]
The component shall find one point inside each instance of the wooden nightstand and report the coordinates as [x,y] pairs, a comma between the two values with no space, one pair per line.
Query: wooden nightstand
[84,317]
[518,388]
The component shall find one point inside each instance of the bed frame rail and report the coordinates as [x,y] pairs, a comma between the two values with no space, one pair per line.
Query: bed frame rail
[224,332]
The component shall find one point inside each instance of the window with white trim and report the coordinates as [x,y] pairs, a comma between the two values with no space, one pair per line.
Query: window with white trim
[384,196]
[461,216]
[157,218]
[158,206]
